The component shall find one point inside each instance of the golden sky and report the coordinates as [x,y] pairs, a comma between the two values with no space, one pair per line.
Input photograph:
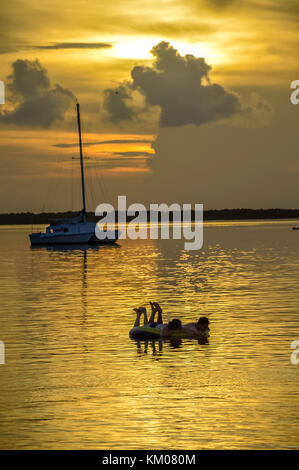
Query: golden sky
[139,138]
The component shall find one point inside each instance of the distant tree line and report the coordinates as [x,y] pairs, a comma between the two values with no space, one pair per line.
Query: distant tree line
[212,214]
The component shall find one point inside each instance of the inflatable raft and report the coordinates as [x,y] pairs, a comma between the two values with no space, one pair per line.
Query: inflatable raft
[147,332]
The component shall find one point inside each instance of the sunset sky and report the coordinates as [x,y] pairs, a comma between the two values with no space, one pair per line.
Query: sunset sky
[181,101]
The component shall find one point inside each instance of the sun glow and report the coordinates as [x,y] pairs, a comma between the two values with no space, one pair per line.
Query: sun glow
[140,48]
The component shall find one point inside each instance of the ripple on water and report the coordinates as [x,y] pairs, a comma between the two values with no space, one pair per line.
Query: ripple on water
[74,379]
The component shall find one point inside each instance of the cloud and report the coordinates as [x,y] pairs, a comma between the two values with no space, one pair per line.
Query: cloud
[103,142]
[180,86]
[35,102]
[75,45]
[258,108]
[287,10]
[219,4]
[134,154]
[41,110]
[28,78]
[53,46]
[118,162]
[116,103]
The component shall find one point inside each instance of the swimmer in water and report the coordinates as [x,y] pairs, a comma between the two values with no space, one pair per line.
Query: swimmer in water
[173,326]
[167,329]
[197,328]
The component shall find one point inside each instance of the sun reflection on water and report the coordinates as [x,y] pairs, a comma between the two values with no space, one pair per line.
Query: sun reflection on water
[74,379]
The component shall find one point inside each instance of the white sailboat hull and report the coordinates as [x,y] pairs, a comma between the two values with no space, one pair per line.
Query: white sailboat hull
[72,233]
[43,239]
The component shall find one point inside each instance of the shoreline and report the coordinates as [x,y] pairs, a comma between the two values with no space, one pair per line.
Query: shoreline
[24,218]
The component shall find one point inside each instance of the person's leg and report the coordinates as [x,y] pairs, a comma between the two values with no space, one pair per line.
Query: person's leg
[138,313]
[159,310]
[145,321]
[152,317]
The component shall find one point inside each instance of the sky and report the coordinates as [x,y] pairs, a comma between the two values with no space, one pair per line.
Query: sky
[181,101]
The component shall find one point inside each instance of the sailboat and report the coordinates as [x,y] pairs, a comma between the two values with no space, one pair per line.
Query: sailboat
[77,229]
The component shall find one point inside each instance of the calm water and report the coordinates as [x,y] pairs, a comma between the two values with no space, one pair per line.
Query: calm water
[73,378]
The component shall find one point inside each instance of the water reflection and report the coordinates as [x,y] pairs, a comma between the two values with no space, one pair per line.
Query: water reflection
[155,347]
[79,251]
[65,247]
[74,379]
[73,257]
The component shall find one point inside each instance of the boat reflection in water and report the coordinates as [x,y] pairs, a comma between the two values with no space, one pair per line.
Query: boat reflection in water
[79,252]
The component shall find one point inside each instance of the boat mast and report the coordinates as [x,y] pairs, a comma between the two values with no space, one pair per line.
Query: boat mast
[81,160]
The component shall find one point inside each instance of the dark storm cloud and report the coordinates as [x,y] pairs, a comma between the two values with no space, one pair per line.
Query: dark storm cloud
[115,102]
[75,45]
[41,110]
[179,85]
[36,103]
[28,78]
